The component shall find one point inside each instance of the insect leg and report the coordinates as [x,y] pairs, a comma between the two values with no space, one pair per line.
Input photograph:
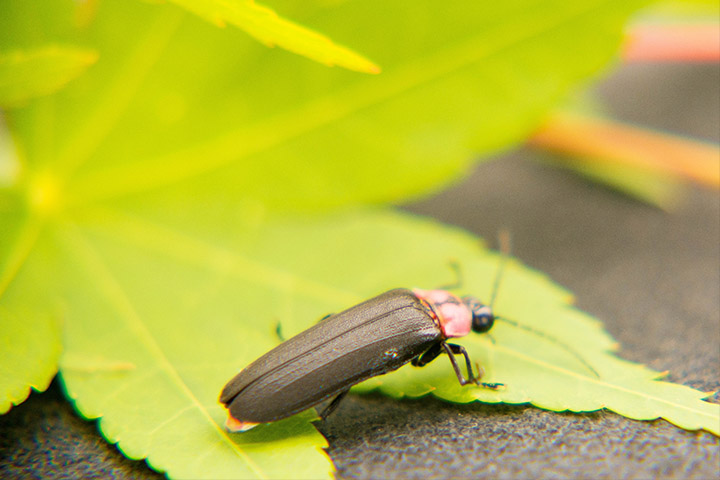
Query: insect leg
[333,405]
[427,357]
[451,349]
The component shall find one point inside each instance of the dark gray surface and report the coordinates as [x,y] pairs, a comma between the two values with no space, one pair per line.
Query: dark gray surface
[652,277]
[44,438]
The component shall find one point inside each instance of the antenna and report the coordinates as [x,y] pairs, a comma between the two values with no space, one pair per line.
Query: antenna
[552,339]
[505,248]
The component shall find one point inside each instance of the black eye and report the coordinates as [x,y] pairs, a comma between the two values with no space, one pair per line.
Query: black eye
[482,316]
[482,322]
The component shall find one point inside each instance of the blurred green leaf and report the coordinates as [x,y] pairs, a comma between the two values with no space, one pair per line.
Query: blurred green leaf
[29,331]
[683,9]
[656,188]
[9,162]
[26,74]
[265,25]
[275,131]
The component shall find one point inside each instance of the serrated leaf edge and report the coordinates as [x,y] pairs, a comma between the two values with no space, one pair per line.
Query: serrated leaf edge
[115,294]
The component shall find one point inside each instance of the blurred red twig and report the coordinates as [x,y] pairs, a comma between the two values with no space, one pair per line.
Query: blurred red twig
[682,42]
[605,141]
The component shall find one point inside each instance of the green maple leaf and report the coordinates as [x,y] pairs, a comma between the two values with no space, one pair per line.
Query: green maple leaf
[41,71]
[265,25]
[30,333]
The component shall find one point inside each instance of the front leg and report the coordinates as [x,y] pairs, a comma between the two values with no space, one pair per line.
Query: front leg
[451,349]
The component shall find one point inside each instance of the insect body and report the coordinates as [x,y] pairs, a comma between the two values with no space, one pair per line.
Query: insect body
[369,339]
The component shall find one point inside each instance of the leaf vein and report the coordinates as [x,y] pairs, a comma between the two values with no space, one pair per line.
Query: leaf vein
[116,295]
[20,252]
